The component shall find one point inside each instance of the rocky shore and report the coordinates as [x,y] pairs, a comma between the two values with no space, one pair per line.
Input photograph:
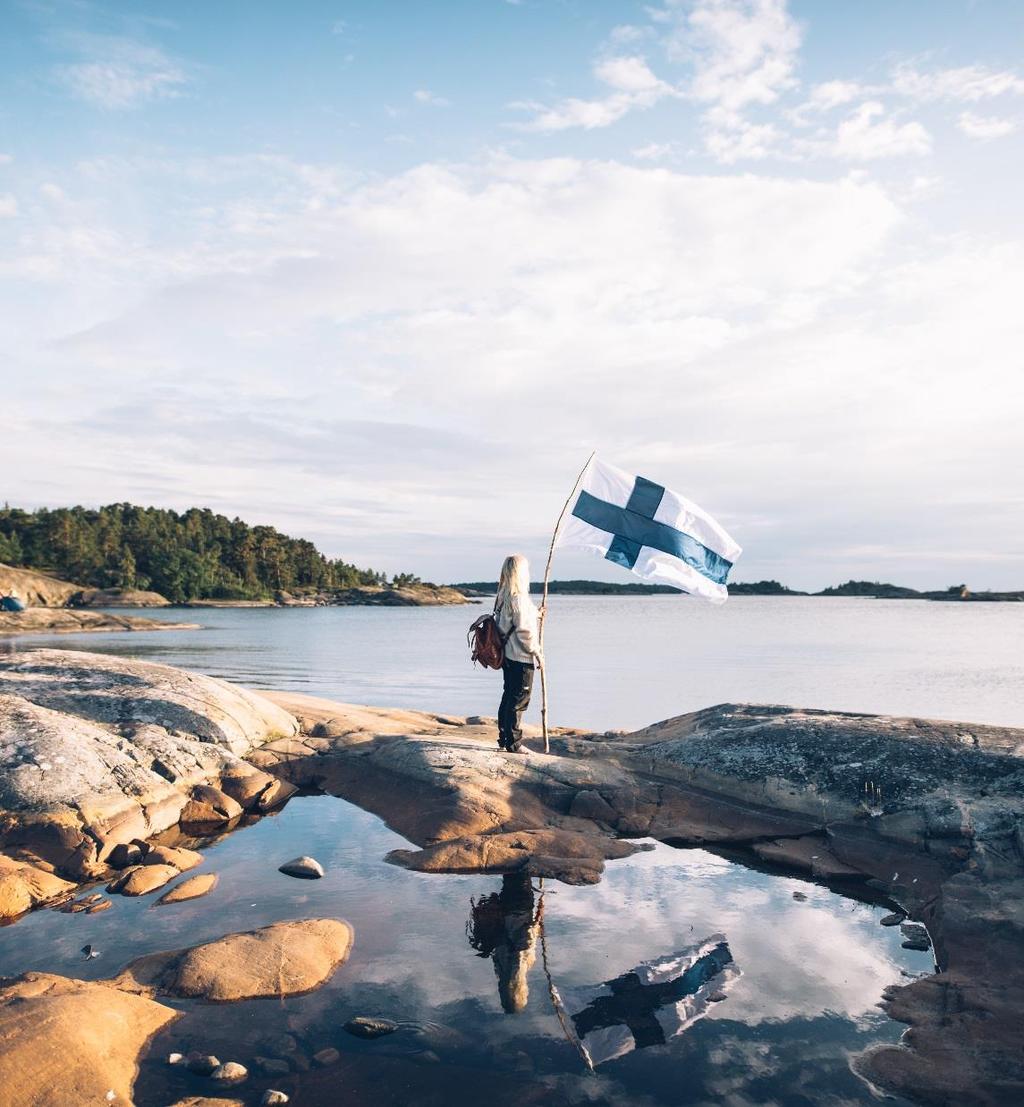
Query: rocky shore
[62,620]
[101,757]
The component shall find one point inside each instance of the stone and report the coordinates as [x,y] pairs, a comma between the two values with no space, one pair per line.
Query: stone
[192,888]
[35,589]
[124,855]
[231,1072]
[717,997]
[893,919]
[273,1098]
[283,959]
[70,1041]
[98,906]
[364,1026]
[140,880]
[175,1058]
[306,868]
[201,1063]
[914,931]
[181,859]
[37,620]
[328,1056]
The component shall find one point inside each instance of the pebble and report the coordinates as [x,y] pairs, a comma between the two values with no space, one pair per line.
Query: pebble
[306,868]
[175,1058]
[273,1098]
[231,1072]
[202,1063]
[327,1056]
[892,920]
[100,905]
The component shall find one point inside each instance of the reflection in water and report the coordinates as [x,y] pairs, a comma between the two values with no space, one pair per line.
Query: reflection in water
[504,927]
[653,1002]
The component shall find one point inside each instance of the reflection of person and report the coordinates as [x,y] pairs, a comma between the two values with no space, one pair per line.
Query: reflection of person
[504,927]
[518,621]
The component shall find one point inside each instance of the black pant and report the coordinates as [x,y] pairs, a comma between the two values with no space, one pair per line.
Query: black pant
[515,699]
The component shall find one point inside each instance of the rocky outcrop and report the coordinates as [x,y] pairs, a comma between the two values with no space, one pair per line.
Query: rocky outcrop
[117,597]
[48,620]
[97,751]
[35,589]
[928,813]
[64,1043]
[284,959]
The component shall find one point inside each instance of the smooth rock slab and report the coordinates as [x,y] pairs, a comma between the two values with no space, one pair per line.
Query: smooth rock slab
[284,959]
[66,1043]
[192,888]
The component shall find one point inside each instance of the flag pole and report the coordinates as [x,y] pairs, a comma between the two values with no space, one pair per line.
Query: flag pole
[544,604]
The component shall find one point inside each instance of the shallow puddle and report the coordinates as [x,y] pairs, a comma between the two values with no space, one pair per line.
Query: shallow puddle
[743,987]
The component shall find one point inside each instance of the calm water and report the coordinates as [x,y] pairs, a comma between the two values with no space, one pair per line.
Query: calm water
[809,971]
[623,661]
[805,974]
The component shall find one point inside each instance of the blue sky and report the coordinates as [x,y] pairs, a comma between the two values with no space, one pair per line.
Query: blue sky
[383,274]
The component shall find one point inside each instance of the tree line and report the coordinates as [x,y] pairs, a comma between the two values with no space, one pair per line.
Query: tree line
[189,556]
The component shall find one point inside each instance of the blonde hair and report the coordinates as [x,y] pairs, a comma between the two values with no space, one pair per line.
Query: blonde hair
[514,579]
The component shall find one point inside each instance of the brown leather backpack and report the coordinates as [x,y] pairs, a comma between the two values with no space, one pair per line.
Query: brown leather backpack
[486,642]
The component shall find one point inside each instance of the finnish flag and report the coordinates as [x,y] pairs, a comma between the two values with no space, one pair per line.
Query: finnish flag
[650,530]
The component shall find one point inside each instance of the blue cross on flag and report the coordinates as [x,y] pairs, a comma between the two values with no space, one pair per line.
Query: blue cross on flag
[650,530]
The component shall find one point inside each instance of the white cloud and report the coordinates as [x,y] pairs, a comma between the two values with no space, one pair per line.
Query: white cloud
[121,73]
[655,151]
[868,134]
[984,127]
[967,84]
[8,205]
[425,96]
[634,84]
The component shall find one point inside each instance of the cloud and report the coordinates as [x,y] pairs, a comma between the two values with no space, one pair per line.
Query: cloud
[967,84]
[742,51]
[867,134]
[635,87]
[118,73]
[425,96]
[984,127]
[8,205]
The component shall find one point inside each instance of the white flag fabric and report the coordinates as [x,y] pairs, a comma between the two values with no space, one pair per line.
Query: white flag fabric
[650,530]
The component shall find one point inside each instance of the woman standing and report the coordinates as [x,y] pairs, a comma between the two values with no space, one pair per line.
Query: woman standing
[518,620]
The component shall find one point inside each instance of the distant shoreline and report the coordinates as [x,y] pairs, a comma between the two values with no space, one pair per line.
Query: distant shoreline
[856,589]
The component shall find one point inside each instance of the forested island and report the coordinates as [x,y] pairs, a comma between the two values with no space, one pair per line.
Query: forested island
[194,555]
[862,588]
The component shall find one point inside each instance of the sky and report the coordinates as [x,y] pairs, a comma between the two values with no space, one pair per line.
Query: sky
[383,274]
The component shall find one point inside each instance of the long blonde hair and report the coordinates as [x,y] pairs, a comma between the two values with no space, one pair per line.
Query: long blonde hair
[514,579]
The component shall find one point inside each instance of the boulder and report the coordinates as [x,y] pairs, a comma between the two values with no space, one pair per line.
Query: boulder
[284,959]
[207,809]
[64,1043]
[366,1026]
[181,859]
[192,888]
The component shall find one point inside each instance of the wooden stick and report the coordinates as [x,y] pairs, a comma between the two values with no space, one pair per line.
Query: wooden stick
[556,1000]
[544,604]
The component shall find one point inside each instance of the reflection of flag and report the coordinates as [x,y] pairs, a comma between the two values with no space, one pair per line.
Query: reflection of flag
[651,1003]
[650,530]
